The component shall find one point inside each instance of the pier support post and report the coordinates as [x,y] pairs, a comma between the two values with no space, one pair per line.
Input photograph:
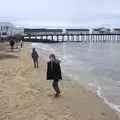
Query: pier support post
[118,37]
[57,38]
[77,38]
[68,38]
[72,37]
[52,37]
[63,37]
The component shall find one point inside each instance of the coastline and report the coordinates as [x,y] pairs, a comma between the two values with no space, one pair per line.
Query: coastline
[91,84]
[31,95]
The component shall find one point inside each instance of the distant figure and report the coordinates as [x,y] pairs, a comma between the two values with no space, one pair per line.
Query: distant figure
[21,43]
[12,43]
[17,44]
[35,58]
[54,73]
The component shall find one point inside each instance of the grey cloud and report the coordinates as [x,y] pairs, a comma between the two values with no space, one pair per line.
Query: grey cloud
[33,13]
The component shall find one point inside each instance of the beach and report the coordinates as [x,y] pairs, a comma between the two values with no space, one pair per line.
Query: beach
[25,94]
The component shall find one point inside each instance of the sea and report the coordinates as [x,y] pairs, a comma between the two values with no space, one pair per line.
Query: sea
[95,66]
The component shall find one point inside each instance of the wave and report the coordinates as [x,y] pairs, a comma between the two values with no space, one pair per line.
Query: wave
[101,95]
[69,63]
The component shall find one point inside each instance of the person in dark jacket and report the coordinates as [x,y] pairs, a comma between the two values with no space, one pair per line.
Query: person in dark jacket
[54,73]
[35,58]
[12,43]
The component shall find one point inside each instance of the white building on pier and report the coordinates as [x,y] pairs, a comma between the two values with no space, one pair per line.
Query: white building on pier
[116,31]
[8,29]
[77,31]
[101,31]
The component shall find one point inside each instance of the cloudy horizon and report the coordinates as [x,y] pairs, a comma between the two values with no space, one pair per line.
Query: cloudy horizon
[61,13]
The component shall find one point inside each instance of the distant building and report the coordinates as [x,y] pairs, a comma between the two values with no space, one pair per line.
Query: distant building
[116,31]
[41,31]
[54,31]
[101,31]
[18,31]
[77,31]
[30,31]
[8,29]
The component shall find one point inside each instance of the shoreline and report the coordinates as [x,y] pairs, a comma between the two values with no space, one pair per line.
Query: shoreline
[97,92]
[78,84]
[31,95]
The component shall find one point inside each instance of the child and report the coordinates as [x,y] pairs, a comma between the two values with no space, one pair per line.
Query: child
[21,43]
[35,58]
[54,73]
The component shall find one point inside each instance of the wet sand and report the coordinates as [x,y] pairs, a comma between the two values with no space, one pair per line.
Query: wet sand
[25,94]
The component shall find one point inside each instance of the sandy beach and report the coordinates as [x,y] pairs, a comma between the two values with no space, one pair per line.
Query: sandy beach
[25,94]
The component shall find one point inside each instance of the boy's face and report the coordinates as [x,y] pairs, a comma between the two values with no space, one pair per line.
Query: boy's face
[50,58]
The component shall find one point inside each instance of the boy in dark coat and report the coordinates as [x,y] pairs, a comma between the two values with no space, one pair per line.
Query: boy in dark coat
[54,73]
[35,58]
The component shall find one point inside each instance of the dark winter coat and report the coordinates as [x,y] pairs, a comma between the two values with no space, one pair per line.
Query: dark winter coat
[54,70]
[12,43]
[35,55]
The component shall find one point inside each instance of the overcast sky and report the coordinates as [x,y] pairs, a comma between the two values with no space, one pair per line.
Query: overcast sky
[61,13]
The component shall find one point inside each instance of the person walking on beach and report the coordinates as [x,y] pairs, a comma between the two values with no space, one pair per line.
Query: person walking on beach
[35,58]
[17,44]
[54,73]
[12,43]
[21,43]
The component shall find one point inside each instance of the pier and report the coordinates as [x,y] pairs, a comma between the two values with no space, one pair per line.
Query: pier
[71,35]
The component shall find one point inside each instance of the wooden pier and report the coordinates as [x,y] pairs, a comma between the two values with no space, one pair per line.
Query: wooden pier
[57,35]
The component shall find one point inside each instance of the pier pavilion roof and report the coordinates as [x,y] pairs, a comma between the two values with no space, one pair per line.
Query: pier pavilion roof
[101,29]
[54,30]
[26,30]
[77,30]
[116,29]
[34,30]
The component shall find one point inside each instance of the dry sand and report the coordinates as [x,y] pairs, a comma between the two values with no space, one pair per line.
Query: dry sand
[26,95]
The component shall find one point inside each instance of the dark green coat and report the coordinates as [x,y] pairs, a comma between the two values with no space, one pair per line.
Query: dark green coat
[54,70]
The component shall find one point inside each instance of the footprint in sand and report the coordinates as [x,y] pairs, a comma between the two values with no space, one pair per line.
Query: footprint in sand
[48,92]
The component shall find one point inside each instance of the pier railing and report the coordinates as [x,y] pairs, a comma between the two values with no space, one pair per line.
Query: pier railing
[60,37]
